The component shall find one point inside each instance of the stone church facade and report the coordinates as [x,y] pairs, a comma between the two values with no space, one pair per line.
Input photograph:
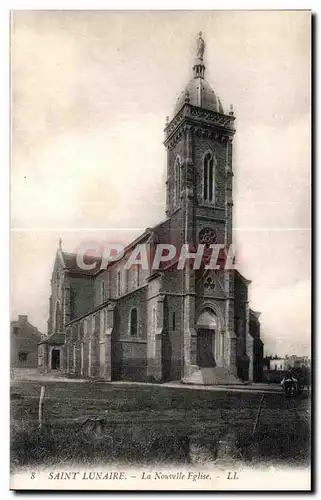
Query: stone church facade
[166,324]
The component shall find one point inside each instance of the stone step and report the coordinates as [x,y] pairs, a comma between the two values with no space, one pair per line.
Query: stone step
[212,376]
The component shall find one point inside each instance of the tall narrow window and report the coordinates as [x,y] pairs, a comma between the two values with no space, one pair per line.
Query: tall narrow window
[173,322]
[208,178]
[210,181]
[87,327]
[107,284]
[89,358]
[82,330]
[154,318]
[222,345]
[74,358]
[102,291]
[133,322]
[154,330]
[205,181]
[67,357]
[82,358]
[74,332]
[105,320]
[126,279]
[177,173]
[58,318]
[118,283]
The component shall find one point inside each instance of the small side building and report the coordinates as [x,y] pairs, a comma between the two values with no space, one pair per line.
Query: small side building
[277,364]
[24,338]
[294,361]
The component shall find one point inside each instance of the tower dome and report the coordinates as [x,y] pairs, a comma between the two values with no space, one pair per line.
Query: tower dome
[198,91]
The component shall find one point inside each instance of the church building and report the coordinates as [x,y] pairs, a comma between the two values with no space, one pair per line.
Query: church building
[189,325]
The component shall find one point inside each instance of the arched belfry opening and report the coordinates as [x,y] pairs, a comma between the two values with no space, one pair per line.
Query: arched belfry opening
[207,329]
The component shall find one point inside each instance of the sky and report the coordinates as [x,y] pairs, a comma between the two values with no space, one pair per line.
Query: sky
[90,92]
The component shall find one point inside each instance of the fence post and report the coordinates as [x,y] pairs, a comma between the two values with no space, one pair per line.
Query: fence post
[258,416]
[42,394]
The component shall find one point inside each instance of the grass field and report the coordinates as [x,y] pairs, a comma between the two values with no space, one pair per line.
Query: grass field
[97,422]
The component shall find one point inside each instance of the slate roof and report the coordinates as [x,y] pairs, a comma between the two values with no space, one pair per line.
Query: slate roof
[70,260]
[200,94]
[57,338]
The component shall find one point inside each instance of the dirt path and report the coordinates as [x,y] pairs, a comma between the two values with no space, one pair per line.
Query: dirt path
[34,375]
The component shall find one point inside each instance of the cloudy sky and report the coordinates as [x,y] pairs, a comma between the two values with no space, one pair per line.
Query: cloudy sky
[90,93]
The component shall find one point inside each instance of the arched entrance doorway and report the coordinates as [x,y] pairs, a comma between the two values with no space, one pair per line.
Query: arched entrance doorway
[55,359]
[207,327]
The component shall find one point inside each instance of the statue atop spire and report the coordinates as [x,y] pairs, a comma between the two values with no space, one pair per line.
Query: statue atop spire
[199,68]
[200,47]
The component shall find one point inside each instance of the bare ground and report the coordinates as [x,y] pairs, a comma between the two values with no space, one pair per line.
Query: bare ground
[92,422]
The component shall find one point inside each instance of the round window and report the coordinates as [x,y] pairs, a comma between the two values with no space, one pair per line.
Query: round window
[207,236]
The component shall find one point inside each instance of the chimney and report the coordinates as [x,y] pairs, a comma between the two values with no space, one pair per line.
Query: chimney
[22,318]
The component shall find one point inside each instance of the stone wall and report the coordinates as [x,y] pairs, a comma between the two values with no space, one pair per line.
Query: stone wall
[172,282]
[81,294]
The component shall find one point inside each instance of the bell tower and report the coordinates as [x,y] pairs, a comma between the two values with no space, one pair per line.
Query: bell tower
[199,160]
[199,205]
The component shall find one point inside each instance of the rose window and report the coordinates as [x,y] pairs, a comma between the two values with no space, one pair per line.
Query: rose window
[207,236]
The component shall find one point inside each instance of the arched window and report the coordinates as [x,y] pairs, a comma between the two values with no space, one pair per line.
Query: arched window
[208,178]
[177,172]
[133,322]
